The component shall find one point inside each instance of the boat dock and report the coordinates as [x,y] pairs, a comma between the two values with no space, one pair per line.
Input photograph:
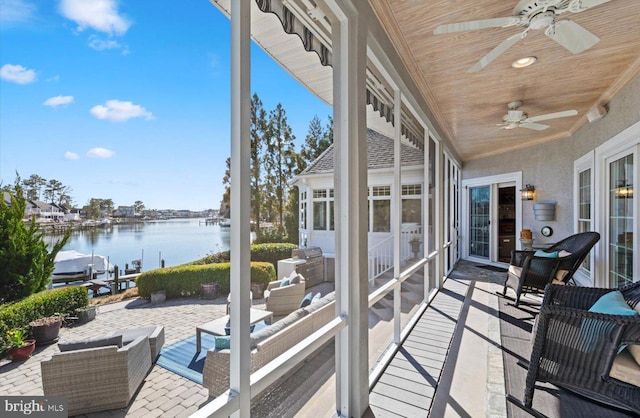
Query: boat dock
[115,284]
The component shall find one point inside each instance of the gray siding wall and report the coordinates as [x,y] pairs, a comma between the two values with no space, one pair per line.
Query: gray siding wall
[549,167]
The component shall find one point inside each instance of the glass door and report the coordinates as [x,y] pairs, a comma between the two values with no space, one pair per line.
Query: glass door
[621,220]
[479,221]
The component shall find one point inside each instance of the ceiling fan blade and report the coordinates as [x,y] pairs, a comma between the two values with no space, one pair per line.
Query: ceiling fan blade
[534,126]
[495,53]
[497,22]
[572,36]
[587,4]
[555,115]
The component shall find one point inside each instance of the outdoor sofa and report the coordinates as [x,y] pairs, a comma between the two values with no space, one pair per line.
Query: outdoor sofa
[97,374]
[269,342]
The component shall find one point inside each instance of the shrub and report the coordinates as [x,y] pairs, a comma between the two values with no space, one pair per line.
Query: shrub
[62,301]
[185,280]
[271,252]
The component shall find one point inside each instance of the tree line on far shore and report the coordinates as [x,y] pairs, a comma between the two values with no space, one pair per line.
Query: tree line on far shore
[274,162]
[53,191]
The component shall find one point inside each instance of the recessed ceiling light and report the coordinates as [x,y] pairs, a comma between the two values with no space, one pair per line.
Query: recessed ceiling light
[523,62]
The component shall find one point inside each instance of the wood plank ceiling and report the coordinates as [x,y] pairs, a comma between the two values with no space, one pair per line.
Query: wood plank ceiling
[469,105]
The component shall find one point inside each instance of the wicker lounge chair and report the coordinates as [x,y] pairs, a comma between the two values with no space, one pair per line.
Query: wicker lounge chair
[579,350]
[284,300]
[529,273]
[97,379]
[155,334]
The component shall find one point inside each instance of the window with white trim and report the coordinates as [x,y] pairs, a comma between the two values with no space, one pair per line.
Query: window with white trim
[303,210]
[412,203]
[323,210]
[584,209]
[380,209]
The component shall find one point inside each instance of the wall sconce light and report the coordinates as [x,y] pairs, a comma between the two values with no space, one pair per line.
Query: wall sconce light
[624,192]
[528,192]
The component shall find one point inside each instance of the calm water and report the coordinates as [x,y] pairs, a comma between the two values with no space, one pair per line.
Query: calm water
[177,241]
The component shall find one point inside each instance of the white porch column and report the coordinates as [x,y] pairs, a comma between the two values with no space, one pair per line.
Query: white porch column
[428,279]
[438,217]
[240,202]
[349,101]
[396,213]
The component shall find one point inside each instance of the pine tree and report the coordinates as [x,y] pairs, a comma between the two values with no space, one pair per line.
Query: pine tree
[225,203]
[26,263]
[258,139]
[280,158]
[316,142]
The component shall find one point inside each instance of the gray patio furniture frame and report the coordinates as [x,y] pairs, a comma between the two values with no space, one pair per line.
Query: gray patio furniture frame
[97,379]
[154,332]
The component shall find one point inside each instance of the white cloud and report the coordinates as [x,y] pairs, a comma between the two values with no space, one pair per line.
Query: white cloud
[102,44]
[58,101]
[16,11]
[100,153]
[17,74]
[71,155]
[120,111]
[99,15]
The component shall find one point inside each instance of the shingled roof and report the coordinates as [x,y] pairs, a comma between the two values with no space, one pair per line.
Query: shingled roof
[379,155]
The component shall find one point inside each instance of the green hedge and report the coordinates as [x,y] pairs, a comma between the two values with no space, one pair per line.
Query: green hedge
[183,281]
[271,253]
[62,301]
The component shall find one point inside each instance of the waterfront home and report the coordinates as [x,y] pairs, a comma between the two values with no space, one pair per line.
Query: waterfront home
[464,100]
[124,212]
[45,212]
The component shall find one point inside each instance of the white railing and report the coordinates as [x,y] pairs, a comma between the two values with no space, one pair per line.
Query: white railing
[381,254]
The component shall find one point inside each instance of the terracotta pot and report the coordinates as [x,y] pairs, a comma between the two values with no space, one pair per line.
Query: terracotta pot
[22,353]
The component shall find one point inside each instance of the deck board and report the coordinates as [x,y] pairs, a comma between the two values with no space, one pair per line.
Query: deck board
[407,386]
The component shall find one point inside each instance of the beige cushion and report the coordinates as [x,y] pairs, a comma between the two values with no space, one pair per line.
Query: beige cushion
[625,368]
[560,275]
[634,350]
[563,253]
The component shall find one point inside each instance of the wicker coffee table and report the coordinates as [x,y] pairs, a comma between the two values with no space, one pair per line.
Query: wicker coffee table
[217,326]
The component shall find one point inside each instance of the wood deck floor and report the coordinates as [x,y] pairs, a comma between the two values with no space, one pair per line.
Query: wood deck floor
[408,385]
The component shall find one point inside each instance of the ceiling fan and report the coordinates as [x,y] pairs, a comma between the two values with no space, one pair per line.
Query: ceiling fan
[518,119]
[534,14]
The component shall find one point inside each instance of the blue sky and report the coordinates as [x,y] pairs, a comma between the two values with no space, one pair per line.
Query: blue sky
[128,100]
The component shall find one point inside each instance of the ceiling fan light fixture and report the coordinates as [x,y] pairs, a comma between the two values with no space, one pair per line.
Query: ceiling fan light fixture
[523,62]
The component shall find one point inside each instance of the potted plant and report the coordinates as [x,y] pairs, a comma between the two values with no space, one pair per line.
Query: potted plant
[45,330]
[86,314]
[19,347]
[415,245]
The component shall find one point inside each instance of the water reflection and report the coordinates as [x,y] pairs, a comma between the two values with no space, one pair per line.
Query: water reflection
[174,241]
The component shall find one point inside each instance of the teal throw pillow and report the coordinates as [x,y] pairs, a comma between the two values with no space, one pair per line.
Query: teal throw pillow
[541,253]
[223,343]
[611,303]
[284,283]
[306,301]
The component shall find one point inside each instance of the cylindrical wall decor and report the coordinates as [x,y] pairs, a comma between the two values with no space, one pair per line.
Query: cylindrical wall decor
[545,211]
